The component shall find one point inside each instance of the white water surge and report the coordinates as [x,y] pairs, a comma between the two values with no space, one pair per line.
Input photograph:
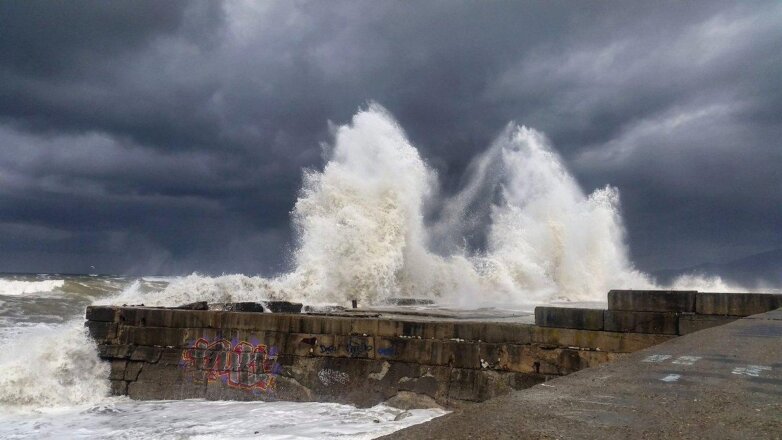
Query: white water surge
[54,385]
[361,232]
[51,365]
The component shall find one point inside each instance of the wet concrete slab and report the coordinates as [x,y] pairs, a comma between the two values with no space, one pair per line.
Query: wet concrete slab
[719,383]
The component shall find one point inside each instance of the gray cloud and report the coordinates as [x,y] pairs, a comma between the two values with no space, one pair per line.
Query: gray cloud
[170,137]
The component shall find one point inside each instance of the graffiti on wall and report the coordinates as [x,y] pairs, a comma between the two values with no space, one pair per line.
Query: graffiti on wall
[386,352]
[357,347]
[327,349]
[238,364]
[333,377]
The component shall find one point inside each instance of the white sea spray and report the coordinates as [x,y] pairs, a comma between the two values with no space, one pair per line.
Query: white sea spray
[361,232]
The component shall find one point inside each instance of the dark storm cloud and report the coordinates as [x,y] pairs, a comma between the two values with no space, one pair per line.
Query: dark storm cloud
[170,136]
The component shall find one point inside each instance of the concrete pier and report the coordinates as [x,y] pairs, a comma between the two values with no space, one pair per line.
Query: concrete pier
[721,383]
[415,357]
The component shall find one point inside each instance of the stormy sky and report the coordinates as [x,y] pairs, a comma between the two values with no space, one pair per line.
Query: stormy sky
[169,137]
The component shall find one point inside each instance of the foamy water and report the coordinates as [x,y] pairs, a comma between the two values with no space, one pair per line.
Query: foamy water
[54,385]
[121,418]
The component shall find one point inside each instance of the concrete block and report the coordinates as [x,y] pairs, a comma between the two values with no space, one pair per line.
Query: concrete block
[101,332]
[271,339]
[494,332]
[153,336]
[664,323]
[192,335]
[429,352]
[283,307]
[117,371]
[170,374]
[536,359]
[591,358]
[127,315]
[119,388]
[170,356]
[253,307]
[166,387]
[682,301]
[474,385]
[101,313]
[329,324]
[390,328]
[287,389]
[112,351]
[132,370]
[512,333]
[693,323]
[443,330]
[356,346]
[596,340]
[253,321]
[736,304]
[428,380]
[566,317]
[409,302]
[388,348]
[155,318]
[364,326]
[454,354]
[308,344]
[416,329]
[198,305]
[470,331]
[146,354]
[402,349]
[178,318]
[507,357]
[479,385]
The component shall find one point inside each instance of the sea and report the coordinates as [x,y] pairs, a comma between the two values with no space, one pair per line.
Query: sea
[53,386]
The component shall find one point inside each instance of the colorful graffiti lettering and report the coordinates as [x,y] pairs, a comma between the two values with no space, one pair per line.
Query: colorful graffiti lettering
[238,364]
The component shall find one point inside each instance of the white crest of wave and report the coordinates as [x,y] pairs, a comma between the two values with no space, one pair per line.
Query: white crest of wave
[20,287]
[47,366]
[706,283]
[195,287]
[547,239]
[361,230]
[360,220]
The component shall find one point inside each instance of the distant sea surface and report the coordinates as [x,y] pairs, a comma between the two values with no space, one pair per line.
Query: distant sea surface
[54,386]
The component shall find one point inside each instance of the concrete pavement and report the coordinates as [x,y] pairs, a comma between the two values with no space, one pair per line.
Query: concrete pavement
[721,383]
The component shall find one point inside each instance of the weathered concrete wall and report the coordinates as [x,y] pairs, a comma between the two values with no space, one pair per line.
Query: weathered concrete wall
[364,359]
[174,354]
[660,311]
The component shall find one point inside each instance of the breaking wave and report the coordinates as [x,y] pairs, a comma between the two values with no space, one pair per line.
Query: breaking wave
[521,231]
[21,287]
[51,365]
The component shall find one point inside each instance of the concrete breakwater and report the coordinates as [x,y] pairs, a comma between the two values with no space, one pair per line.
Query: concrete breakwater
[367,356]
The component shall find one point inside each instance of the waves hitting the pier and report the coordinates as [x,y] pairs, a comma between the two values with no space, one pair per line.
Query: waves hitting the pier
[372,224]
